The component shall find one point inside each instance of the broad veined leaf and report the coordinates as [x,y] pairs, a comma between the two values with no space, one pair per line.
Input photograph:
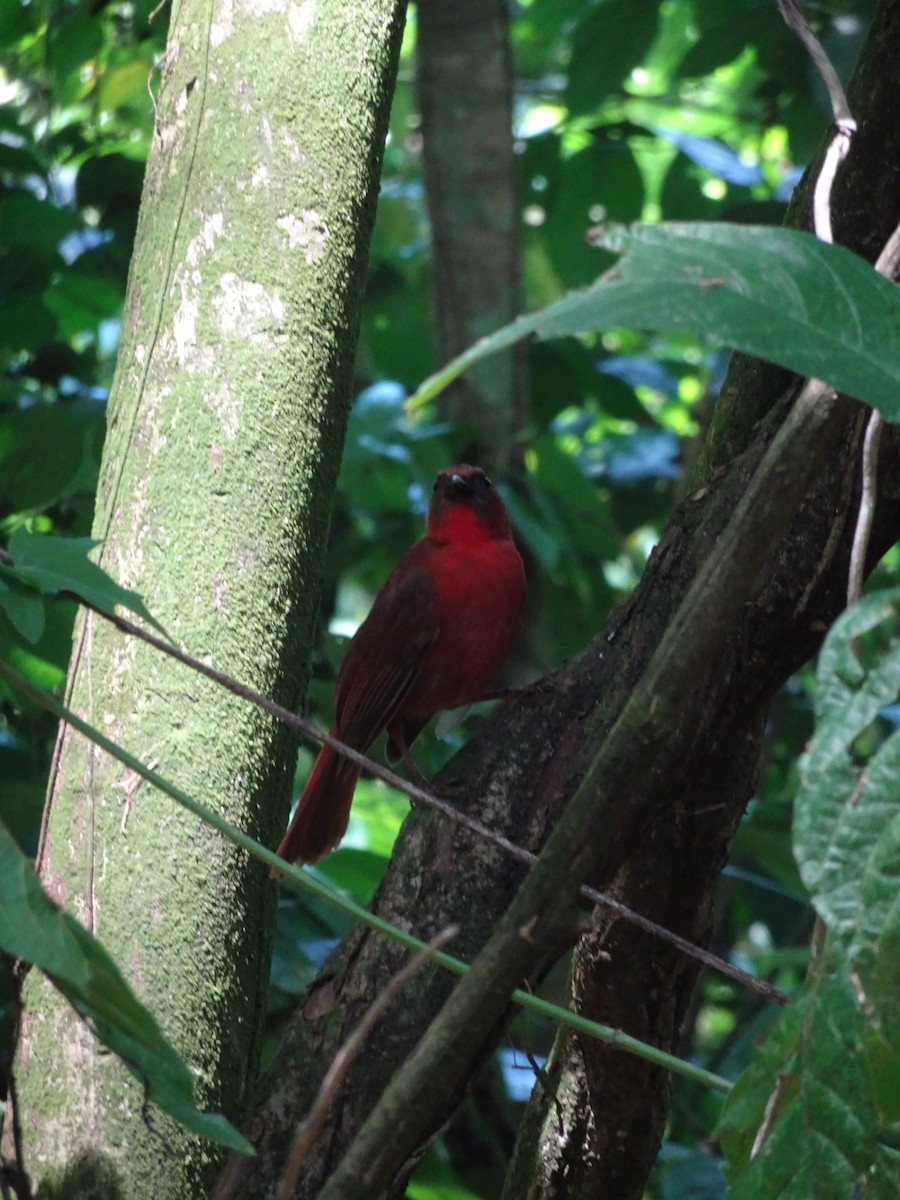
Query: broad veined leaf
[59,564]
[779,294]
[811,1088]
[847,815]
[34,929]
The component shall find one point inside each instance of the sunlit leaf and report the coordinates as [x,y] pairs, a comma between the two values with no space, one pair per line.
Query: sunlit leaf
[34,929]
[57,564]
[779,294]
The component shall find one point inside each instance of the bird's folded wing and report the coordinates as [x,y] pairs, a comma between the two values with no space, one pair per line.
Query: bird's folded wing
[384,659]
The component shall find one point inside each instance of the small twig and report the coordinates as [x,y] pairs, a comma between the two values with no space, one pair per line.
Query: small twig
[839,146]
[793,15]
[302,725]
[867,499]
[23,1183]
[838,149]
[773,1106]
[343,1060]
[15,1174]
[888,260]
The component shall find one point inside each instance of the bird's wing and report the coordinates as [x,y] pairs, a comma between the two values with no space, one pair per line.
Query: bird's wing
[385,657]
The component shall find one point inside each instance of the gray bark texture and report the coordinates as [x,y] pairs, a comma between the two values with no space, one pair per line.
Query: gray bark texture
[225,427]
[464,80]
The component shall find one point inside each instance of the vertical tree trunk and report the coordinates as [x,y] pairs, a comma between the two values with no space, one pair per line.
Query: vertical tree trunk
[226,423]
[465,92]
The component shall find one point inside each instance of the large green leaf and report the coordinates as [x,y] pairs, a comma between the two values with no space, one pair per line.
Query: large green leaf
[847,818]
[829,1138]
[779,294]
[837,1050]
[59,564]
[34,929]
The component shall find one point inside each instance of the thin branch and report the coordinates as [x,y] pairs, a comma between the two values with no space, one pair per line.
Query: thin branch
[761,986]
[793,15]
[867,500]
[306,881]
[838,149]
[309,1130]
[773,1107]
[887,265]
[22,1181]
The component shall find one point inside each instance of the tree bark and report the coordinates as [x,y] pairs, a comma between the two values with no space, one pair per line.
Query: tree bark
[464,80]
[225,428]
[519,775]
[619,974]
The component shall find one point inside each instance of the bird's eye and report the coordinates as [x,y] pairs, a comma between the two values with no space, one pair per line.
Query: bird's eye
[487,483]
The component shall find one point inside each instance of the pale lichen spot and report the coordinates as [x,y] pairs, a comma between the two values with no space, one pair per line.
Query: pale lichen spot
[308,232]
[212,228]
[140,354]
[222,26]
[291,144]
[260,176]
[247,310]
[220,591]
[224,403]
[181,102]
[300,19]
[184,329]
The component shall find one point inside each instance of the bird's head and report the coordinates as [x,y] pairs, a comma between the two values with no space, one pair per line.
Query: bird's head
[465,505]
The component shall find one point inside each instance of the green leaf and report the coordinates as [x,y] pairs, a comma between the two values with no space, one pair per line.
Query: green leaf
[778,294]
[602,178]
[58,564]
[847,821]
[24,609]
[34,929]
[48,452]
[834,1132]
[608,43]
[42,669]
[825,1139]
[26,324]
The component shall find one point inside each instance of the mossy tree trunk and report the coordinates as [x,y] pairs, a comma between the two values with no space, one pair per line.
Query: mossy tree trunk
[225,430]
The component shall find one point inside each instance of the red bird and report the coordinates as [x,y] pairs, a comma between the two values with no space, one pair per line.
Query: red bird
[439,631]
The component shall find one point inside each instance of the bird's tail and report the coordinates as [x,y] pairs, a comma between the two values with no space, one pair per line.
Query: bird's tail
[321,816]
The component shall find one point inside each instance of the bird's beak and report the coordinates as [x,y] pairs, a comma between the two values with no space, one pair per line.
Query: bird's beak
[459,484]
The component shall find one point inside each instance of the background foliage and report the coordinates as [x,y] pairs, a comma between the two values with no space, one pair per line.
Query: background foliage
[625,109]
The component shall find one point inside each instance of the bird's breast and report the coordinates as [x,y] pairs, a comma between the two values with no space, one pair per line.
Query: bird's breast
[479,597]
